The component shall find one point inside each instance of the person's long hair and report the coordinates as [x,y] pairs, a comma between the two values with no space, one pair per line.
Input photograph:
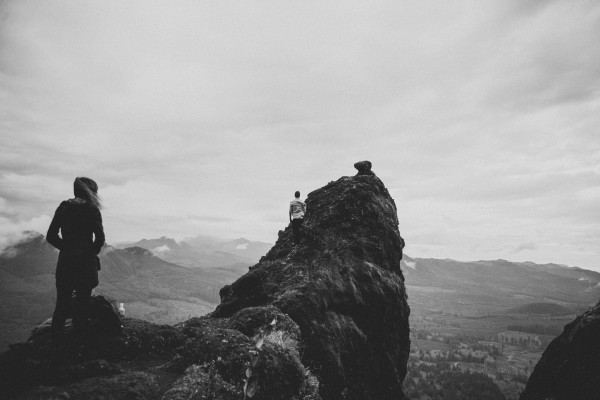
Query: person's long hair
[87,189]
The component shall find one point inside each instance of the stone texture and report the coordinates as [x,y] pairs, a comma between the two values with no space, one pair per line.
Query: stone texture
[570,367]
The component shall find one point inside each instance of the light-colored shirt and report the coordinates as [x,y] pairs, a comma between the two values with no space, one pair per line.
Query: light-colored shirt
[297,209]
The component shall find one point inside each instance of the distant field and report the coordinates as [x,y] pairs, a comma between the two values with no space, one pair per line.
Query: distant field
[484,327]
[429,299]
[162,311]
[427,345]
[551,309]
[515,357]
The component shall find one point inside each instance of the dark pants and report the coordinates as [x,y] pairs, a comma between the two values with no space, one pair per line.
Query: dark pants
[80,307]
[296,224]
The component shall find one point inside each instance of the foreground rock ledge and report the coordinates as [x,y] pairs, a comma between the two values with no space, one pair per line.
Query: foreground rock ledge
[324,319]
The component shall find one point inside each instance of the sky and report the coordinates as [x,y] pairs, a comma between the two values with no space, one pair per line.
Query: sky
[203,117]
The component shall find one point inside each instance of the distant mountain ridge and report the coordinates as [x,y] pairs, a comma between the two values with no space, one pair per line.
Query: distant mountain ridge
[30,256]
[498,285]
[150,280]
[204,251]
[152,288]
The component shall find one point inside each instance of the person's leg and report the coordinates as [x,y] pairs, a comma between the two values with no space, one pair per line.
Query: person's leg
[63,300]
[296,224]
[81,314]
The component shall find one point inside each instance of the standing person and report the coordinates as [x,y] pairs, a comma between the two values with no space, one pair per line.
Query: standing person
[297,210]
[81,238]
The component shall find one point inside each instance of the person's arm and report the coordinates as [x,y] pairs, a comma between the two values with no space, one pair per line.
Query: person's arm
[290,213]
[98,230]
[52,234]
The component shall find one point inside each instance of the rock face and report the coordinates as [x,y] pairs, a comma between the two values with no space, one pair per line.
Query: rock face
[202,358]
[343,286]
[570,367]
[324,319]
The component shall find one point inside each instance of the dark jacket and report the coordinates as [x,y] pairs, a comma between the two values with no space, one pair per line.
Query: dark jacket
[82,237]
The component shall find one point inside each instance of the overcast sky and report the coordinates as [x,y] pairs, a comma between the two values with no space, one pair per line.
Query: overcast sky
[203,117]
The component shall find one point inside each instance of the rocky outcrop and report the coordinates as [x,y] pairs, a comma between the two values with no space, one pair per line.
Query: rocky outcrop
[200,358]
[570,367]
[343,286]
[323,319]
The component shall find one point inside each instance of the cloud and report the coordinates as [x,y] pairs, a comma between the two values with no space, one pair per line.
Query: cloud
[10,236]
[524,247]
[242,246]
[197,117]
[411,264]
[161,250]
[209,218]
[561,61]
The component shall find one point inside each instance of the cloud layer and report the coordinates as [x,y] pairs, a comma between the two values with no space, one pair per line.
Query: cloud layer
[203,117]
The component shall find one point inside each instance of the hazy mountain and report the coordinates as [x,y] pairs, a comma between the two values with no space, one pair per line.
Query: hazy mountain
[155,287]
[31,256]
[135,274]
[496,286]
[205,251]
[150,287]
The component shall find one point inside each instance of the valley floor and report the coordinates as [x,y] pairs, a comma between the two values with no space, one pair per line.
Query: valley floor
[483,346]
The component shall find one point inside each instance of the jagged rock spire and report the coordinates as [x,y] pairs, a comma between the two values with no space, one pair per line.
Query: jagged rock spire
[343,286]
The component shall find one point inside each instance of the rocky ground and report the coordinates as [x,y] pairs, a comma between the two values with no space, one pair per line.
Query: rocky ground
[205,357]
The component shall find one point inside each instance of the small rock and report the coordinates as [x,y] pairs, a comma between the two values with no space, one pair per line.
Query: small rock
[364,168]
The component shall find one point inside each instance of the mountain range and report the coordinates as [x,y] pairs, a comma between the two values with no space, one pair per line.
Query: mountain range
[205,251]
[498,286]
[152,287]
[166,281]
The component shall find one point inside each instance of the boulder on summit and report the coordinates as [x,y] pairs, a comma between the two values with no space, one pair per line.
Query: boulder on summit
[364,168]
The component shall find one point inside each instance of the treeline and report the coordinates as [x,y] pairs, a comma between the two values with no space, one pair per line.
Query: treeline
[454,356]
[536,329]
[525,342]
[445,383]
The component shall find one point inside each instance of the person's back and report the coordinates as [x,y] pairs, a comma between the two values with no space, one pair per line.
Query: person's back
[297,208]
[297,211]
[78,220]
